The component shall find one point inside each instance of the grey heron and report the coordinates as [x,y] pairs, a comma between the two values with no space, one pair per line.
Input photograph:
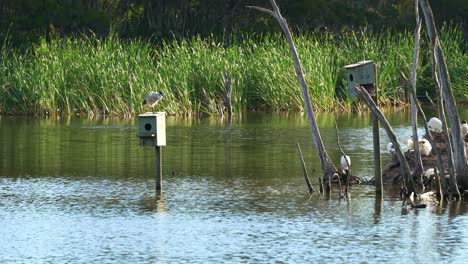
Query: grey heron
[152,99]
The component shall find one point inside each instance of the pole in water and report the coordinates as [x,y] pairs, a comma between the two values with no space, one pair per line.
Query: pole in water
[376,134]
[158,167]
[153,134]
[364,73]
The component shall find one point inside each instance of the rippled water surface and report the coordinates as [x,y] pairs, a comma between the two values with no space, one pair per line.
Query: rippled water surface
[82,191]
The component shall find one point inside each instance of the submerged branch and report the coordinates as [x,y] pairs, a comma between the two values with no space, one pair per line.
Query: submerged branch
[310,188]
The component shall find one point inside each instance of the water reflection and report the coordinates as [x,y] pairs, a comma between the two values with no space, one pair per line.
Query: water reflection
[83,191]
[153,203]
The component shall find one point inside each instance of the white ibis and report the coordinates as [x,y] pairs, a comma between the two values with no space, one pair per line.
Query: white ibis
[435,125]
[464,128]
[345,163]
[429,173]
[390,148]
[425,147]
[410,144]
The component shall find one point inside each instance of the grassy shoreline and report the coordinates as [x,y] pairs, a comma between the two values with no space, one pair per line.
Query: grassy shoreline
[110,76]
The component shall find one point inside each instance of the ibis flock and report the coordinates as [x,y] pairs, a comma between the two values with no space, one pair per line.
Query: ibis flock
[424,146]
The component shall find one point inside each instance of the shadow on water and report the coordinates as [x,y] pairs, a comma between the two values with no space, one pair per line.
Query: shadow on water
[74,190]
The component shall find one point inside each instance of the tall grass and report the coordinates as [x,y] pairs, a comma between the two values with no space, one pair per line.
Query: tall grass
[111,76]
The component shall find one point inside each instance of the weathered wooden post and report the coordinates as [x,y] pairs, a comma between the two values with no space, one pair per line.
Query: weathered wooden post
[364,73]
[153,134]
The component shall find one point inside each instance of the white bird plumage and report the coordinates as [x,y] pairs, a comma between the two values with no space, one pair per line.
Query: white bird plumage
[345,165]
[153,98]
[435,125]
[425,147]
[464,128]
[390,148]
[410,143]
[429,173]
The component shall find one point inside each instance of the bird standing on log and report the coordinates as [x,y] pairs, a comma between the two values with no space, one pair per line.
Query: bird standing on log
[345,163]
[152,99]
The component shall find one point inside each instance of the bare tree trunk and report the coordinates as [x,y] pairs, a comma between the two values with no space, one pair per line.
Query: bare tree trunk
[327,166]
[440,108]
[449,101]
[436,71]
[418,168]
[415,106]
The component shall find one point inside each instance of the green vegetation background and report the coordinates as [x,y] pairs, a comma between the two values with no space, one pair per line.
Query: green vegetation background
[102,57]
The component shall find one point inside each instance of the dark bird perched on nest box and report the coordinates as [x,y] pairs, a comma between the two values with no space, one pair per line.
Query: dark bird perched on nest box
[153,98]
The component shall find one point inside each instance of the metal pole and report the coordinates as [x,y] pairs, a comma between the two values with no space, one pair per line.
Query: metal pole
[158,167]
[375,132]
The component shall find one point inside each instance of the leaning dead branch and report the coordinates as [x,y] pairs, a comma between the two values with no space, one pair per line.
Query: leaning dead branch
[327,166]
[430,99]
[440,108]
[404,167]
[310,188]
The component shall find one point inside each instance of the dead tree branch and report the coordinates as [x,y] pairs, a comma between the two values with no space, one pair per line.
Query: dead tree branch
[404,167]
[327,166]
[310,188]
[440,108]
[434,145]
[418,169]
[446,91]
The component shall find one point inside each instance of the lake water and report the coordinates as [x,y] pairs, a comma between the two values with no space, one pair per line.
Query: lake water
[82,191]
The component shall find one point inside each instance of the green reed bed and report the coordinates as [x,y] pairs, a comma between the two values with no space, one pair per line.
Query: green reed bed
[455,51]
[111,76]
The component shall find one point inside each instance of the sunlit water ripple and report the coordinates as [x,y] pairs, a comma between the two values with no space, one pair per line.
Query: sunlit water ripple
[218,205]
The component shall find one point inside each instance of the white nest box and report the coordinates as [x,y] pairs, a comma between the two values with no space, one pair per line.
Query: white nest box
[362,73]
[152,130]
